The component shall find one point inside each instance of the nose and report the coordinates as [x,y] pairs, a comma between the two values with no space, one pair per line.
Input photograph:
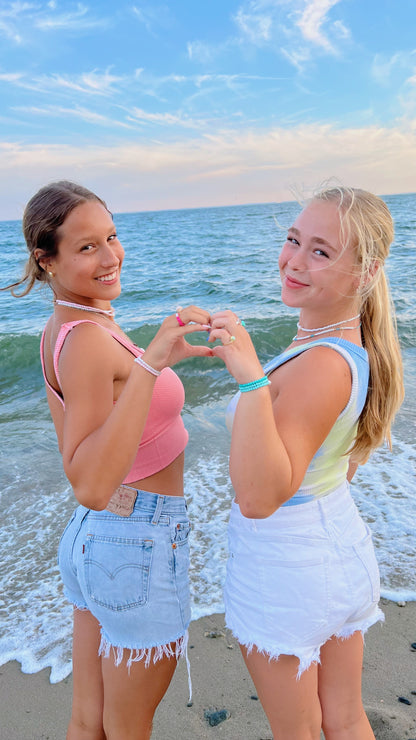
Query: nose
[109,256]
[297,259]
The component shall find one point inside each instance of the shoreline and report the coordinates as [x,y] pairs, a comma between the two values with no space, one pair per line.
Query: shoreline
[34,709]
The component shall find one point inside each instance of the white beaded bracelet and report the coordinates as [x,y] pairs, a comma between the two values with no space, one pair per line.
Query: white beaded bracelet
[147,367]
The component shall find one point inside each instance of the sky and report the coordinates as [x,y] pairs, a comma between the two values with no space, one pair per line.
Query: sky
[182,104]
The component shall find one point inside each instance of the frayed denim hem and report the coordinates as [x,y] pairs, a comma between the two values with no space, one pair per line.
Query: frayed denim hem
[306,656]
[149,654]
[349,629]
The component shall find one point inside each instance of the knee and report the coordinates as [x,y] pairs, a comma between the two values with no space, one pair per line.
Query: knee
[336,721]
[116,728]
[80,729]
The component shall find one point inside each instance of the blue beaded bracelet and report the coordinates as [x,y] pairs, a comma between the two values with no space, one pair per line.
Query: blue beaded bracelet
[254,384]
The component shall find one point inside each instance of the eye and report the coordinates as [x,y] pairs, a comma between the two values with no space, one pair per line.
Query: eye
[112,237]
[321,253]
[87,247]
[292,239]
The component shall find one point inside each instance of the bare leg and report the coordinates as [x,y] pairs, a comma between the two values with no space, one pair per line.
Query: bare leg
[291,704]
[339,682]
[132,695]
[87,705]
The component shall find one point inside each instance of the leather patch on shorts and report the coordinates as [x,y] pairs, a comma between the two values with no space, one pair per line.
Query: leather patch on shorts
[122,501]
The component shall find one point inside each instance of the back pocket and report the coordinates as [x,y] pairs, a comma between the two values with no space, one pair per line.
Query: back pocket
[117,571]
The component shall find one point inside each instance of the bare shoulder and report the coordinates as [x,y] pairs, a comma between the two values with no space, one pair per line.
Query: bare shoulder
[318,372]
[87,338]
[90,355]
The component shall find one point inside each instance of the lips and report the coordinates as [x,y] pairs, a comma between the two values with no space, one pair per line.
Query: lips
[293,283]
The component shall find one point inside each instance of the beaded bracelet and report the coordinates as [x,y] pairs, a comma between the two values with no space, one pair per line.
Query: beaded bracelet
[147,367]
[254,384]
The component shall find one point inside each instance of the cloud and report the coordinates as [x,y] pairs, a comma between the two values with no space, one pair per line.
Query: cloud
[88,83]
[152,16]
[201,52]
[255,27]
[84,114]
[295,29]
[78,20]
[19,20]
[164,119]
[229,167]
[312,20]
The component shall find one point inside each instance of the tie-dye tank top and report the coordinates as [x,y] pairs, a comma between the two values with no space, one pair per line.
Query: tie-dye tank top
[328,467]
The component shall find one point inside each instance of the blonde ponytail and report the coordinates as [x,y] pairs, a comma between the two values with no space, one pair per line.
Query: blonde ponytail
[366,223]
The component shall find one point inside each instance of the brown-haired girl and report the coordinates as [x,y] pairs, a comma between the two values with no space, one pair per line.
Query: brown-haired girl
[117,413]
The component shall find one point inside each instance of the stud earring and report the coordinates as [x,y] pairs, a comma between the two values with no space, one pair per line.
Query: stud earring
[51,274]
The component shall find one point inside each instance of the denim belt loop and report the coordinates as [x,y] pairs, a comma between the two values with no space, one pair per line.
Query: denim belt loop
[158,509]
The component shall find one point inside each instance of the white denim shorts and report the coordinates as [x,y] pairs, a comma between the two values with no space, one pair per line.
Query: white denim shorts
[302,575]
[131,573]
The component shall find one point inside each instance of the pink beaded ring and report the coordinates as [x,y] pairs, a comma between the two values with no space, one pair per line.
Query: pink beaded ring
[178,318]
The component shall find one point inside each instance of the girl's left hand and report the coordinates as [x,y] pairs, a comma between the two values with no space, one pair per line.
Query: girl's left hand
[236,348]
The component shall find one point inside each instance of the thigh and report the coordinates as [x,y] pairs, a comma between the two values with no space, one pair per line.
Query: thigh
[131,695]
[291,703]
[88,694]
[339,679]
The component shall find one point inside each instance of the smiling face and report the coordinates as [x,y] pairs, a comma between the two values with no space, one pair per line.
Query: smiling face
[318,273]
[87,266]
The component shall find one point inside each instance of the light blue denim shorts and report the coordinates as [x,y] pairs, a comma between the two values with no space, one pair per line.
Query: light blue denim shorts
[297,578]
[131,573]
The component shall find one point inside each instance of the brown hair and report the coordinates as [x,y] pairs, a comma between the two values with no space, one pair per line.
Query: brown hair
[367,224]
[45,212]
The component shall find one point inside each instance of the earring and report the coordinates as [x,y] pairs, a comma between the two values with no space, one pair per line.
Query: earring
[51,274]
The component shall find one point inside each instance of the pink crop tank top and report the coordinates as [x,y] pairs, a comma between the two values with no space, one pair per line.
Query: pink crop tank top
[164,435]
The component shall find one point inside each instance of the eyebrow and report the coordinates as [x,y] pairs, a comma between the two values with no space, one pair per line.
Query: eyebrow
[315,239]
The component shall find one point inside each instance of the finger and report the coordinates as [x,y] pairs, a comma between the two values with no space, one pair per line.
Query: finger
[196,350]
[227,321]
[192,328]
[223,335]
[192,314]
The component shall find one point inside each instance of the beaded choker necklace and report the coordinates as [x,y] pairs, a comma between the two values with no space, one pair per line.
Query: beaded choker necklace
[338,326]
[81,307]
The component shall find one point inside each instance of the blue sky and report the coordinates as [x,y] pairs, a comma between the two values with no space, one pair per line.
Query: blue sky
[183,104]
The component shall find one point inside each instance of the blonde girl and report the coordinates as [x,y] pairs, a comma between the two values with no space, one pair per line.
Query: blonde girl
[302,582]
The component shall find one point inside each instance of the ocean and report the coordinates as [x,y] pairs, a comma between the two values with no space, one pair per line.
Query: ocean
[216,258]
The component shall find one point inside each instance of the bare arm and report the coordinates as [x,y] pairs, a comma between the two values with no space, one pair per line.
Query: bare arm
[277,429]
[100,438]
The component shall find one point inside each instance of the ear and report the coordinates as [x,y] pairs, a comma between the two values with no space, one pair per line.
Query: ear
[364,280]
[372,272]
[46,263]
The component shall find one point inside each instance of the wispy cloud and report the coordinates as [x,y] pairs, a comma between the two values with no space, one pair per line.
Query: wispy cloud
[165,119]
[19,20]
[256,27]
[312,21]
[296,29]
[78,20]
[153,17]
[84,114]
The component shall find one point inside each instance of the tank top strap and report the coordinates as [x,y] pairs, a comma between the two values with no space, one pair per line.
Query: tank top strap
[62,335]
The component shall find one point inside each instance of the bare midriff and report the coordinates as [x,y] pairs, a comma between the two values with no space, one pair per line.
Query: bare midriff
[167,482]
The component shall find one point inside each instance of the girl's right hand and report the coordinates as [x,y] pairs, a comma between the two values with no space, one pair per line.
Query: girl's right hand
[169,345]
[236,348]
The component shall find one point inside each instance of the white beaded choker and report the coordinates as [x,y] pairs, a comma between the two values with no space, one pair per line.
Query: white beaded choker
[81,307]
[338,326]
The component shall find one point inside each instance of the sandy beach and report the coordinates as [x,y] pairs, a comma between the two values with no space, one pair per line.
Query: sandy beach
[34,709]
